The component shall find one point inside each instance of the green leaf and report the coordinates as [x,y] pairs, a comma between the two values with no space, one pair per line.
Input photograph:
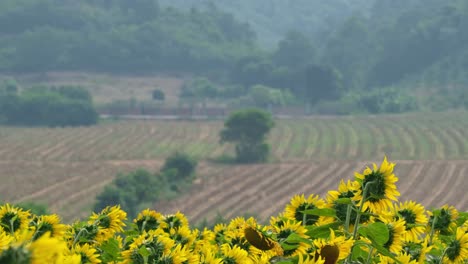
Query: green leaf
[295,239]
[144,252]
[111,251]
[376,232]
[321,231]
[343,201]
[321,212]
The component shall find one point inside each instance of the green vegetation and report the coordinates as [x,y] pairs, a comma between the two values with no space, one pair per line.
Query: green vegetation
[35,208]
[140,188]
[248,129]
[47,106]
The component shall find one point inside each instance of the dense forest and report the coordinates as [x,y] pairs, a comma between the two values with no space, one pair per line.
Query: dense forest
[336,56]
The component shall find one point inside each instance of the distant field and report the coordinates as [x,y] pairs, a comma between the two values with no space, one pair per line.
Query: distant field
[406,137]
[67,167]
[107,88]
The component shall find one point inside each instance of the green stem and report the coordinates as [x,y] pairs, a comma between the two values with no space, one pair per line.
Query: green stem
[348,218]
[432,230]
[370,255]
[78,236]
[443,255]
[359,212]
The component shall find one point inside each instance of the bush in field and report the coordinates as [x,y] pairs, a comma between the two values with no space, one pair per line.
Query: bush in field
[181,165]
[248,129]
[157,94]
[44,106]
[132,191]
[360,222]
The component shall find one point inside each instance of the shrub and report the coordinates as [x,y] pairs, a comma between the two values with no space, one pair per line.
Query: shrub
[181,165]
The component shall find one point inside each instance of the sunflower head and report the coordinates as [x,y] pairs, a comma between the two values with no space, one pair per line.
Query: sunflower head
[49,223]
[13,219]
[443,220]
[457,249]
[379,187]
[295,210]
[149,220]
[415,219]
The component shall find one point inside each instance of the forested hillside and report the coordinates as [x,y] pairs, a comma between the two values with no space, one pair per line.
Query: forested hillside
[272,19]
[337,56]
[117,36]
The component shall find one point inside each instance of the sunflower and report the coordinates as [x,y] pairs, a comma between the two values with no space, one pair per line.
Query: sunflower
[309,260]
[47,249]
[457,250]
[182,236]
[288,228]
[446,220]
[339,247]
[88,253]
[109,221]
[208,256]
[396,234]
[415,219]
[402,258]
[176,221]
[295,209]
[13,219]
[5,240]
[158,243]
[234,255]
[49,223]
[381,188]
[418,249]
[345,190]
[148,220]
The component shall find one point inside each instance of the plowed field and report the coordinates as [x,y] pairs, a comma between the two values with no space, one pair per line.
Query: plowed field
[66,167]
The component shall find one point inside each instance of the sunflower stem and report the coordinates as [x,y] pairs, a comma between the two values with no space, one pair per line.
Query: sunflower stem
[348,218]
[432,229]
[358,213]
[443,256]
[371,251]
[78,236]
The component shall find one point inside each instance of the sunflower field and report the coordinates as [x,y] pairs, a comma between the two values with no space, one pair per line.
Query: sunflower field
[361,221]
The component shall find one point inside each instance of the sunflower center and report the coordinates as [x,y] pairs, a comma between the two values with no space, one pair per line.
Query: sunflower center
[229,260]
[105,221]
[45,227]
[453,251]
[307,219]
[391,233]
[376,190]
[408,215]
[241,242]
[10,222]
[149,223]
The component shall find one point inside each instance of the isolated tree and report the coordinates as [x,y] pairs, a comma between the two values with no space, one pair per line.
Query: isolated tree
[158,95]
[248,129]
[182,165]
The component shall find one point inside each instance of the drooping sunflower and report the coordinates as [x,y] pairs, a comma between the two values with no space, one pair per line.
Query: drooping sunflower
[415,219]
[13,219]
[418,249]
[88,254]
[396,234]
[333,245]
[446,220]
[457,250]
[295,209]
[345,190]
[234,255]
[381,188]
[148,220]
[109,221]
[49,223]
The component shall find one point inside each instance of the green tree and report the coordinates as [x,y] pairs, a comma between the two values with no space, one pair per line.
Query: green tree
[159,95]
[182,165]
[248,129]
